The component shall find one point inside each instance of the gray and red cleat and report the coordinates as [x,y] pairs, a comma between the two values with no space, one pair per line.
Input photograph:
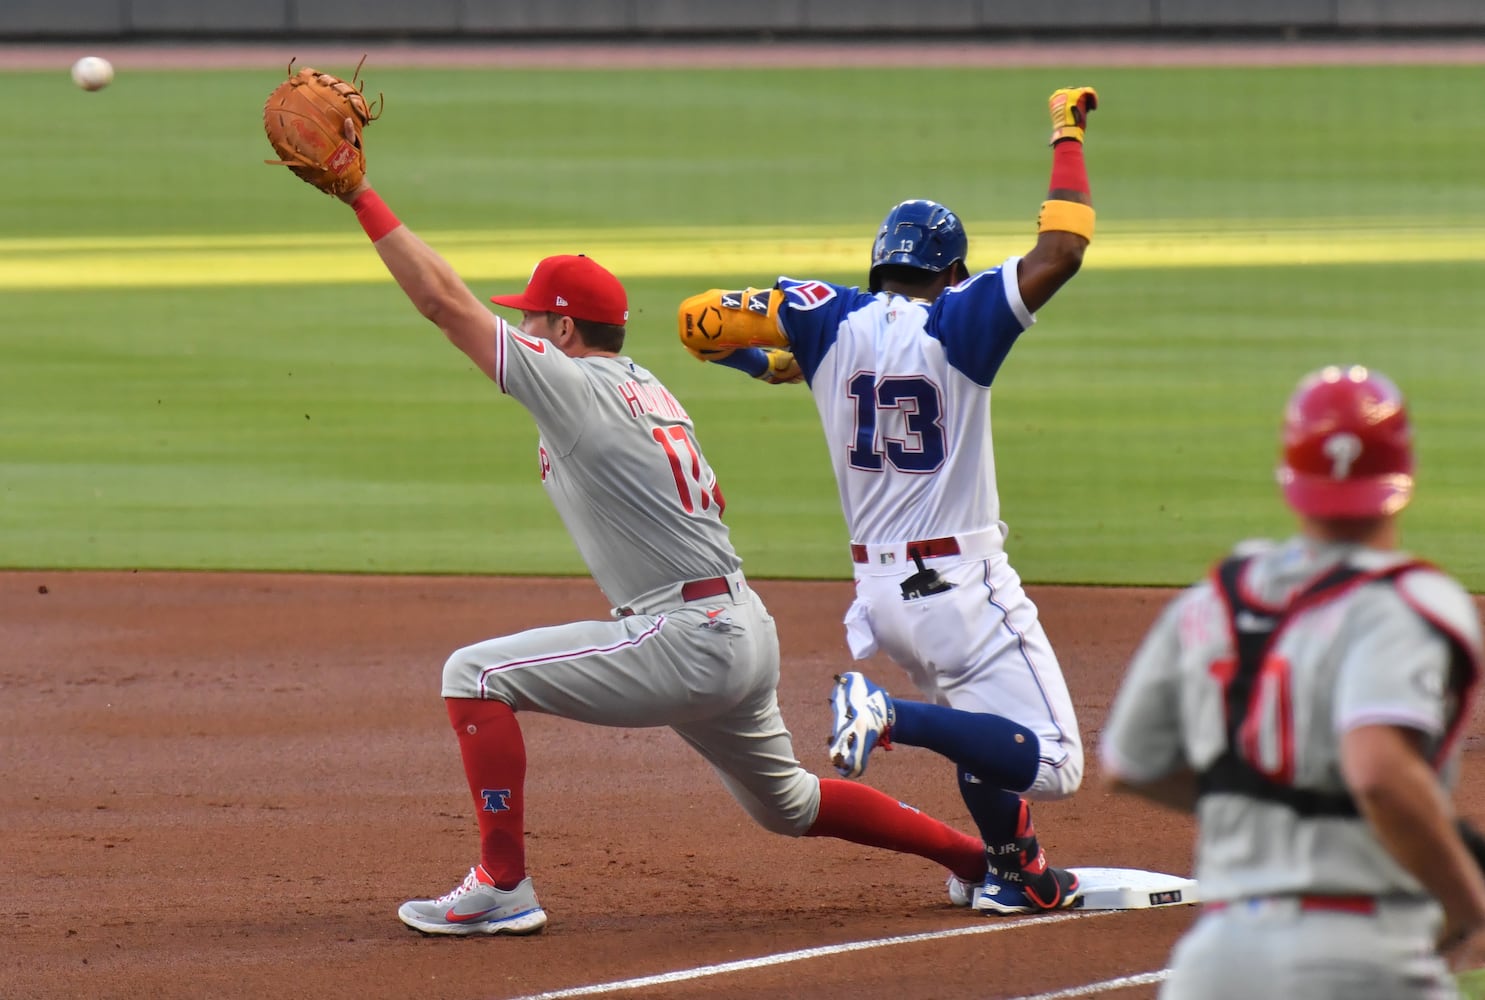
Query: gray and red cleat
[475,906]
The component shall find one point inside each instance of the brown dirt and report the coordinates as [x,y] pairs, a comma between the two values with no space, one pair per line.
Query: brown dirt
[222,785]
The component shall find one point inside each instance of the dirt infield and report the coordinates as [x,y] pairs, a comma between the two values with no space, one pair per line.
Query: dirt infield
[222,785]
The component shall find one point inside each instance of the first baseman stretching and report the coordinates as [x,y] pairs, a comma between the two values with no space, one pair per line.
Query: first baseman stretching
[901,375]
[690,645]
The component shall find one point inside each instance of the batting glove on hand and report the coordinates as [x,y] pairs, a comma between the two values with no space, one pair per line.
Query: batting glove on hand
[781,368]
[1070,107]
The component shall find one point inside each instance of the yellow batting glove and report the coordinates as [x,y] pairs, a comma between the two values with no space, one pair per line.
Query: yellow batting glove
[1070,107]
[782,368]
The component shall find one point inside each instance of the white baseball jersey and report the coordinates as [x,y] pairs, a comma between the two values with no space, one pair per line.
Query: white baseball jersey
[902,387]
[620,460]
[1275,828]
[903,390]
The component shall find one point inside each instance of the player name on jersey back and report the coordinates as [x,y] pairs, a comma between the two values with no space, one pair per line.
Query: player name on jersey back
[642,399]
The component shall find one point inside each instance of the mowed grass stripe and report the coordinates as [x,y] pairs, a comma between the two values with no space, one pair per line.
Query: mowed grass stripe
[317,258]
[1311,225]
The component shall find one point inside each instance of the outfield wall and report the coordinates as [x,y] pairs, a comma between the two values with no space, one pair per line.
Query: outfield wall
[205,19]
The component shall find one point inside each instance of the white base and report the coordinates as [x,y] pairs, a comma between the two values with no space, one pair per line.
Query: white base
[1132,889]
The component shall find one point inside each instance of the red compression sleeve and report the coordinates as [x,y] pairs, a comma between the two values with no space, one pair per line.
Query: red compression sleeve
[374,215]
[863,815]
[495,765]
[1069,172]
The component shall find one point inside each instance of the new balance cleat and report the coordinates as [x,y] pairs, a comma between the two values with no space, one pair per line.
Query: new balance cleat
[1054,889]
[475,906]
[863,720]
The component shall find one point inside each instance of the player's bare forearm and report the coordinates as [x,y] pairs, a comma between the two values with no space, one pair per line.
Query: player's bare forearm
[1174,791]
[1065,225]
[1049,265]
[1399,795]
[432,285]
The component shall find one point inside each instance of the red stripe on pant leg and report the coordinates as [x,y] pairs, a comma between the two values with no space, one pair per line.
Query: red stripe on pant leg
[495,765]
[863,815]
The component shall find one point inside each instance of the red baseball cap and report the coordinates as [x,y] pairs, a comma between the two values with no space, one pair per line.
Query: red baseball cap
[1348,446]
[572,285]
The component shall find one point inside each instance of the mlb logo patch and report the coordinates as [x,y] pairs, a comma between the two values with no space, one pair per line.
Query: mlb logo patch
[887,558]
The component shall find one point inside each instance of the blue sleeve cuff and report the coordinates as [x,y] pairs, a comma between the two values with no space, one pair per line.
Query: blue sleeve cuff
[752,360]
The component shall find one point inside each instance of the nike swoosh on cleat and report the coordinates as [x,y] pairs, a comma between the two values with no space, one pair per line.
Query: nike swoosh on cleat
[464,918]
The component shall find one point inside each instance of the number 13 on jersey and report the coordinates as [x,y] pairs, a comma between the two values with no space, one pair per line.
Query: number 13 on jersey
[912,406]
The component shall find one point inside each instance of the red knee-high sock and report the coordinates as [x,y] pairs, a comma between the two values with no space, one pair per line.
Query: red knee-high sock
[495,765]
[863,815]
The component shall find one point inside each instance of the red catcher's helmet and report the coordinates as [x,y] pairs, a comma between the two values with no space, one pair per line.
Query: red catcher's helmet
[1348,449]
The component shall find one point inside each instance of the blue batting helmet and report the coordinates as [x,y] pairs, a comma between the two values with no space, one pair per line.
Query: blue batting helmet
[921,234]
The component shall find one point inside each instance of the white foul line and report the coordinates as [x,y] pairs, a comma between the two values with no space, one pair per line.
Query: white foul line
[1107,986]
[785,958]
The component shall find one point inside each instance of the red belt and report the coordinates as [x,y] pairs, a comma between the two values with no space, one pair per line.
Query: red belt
[1364,905]
[928,548]
[698,589]
[693,591]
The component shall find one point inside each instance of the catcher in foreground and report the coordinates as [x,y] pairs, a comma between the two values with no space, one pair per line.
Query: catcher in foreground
[689,644]
[1307,702]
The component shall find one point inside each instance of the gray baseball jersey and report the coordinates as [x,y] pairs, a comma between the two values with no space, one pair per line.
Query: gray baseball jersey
[620,460]
[1394,650]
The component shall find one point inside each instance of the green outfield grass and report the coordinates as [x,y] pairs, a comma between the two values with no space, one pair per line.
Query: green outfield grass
[202,364]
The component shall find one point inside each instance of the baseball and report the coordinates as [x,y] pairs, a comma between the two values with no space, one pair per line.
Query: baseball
[92,72]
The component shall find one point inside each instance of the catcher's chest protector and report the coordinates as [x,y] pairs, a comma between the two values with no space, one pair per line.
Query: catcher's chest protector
[1255,630]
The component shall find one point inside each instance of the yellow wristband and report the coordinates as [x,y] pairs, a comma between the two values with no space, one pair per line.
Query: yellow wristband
[1066,217]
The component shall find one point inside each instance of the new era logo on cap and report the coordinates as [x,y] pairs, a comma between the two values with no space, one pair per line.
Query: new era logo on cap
[573,285]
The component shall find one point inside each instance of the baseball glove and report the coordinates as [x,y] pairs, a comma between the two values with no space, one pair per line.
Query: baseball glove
[314,121]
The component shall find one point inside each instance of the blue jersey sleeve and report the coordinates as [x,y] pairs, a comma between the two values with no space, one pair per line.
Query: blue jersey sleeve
[811,315]
[750,360]
[978,321]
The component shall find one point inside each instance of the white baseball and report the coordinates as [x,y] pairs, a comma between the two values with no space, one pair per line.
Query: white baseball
[92,72]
